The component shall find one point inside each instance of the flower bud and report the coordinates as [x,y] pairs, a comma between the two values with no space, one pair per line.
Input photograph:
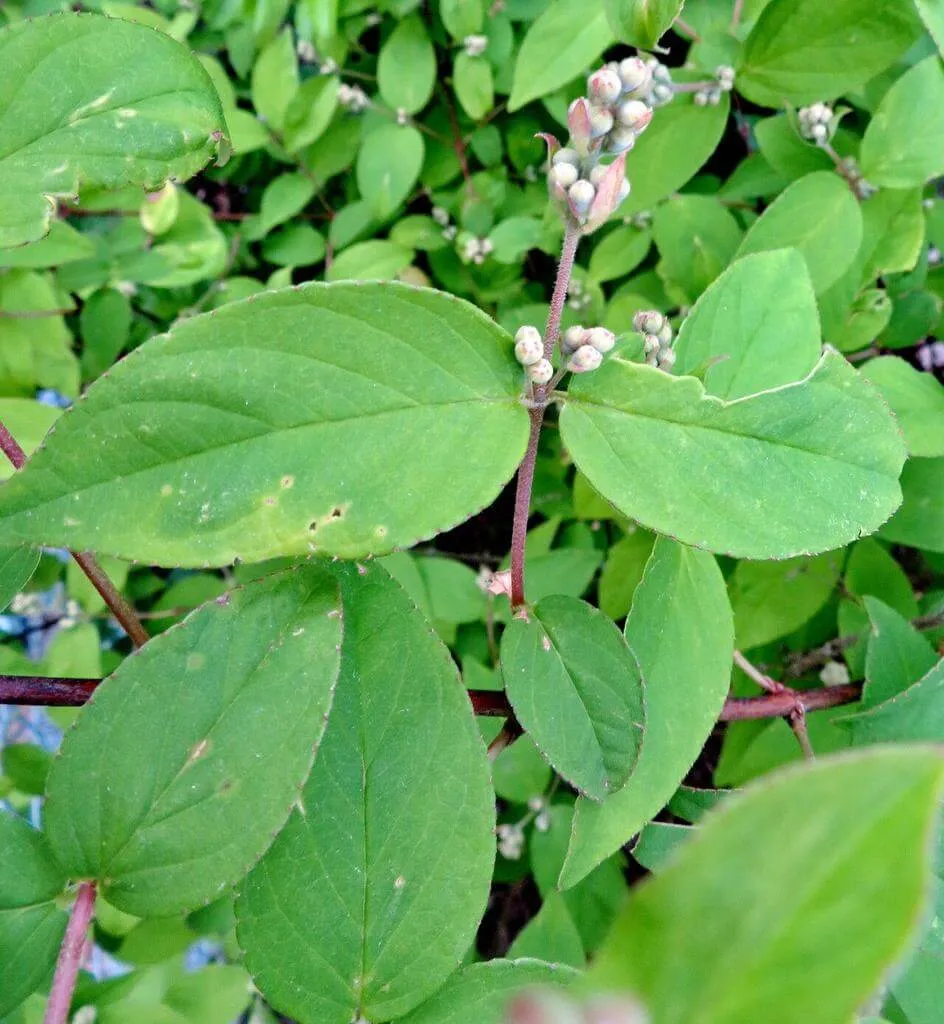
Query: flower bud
[565,156]
[562,175]
[700,99]
[634,114]
[541,371]
[624,190]
[666,359]
[665,333]
[648,321]
[604,86]
[620,140]
[601,121]
[580,197]
[573,338]
[650,344]
[661,93]
[529,348]
[586,358]
[635,76]
[819,133]
[601,339]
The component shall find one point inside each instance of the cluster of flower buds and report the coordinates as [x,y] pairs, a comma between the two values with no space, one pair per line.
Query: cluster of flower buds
[441,216]
[474,46]
[657,338]
[541,810]
[552,1006]
[476,250]
[817,123]
[529,351]
[710,95]
[353,98]
[584,348]
[510,841]
[578,295]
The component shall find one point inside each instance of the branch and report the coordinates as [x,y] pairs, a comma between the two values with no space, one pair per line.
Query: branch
[48,693]
[70,956]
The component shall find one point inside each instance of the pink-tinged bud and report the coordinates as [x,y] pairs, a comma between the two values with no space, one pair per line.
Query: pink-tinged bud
[580,198]
[566,156]
[620,140]
[634,114]
[601,339]
[601,121]
[666,359]
[586,358]
[573,338]
[607,197]
[529,348]
[541,371]
[648,321]
[650,344]
[635,76]
[604,86]
[562,176]
[578,121]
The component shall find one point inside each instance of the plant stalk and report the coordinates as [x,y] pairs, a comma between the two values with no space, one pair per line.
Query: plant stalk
[70,956]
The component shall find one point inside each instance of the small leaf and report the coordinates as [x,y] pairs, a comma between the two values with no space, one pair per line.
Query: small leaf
[31,925]
[642,23]
[472,80]
[481,992]
[561,44]
[17,565]
[575,688]
[682,634]
[310,111]
[824,453]
[275,81]
[355,911]
[711,939]
[916,399]
[406,69]
[919,522]
[122,105]
[187,759]
[618,253]
[801,51]
[283,198]
[898,655]
[756,327]
[914,715]
[268,427]
[388,166]
[903,145]
[932,14]
[376,260]
[550,935]
[820,217]
[462,17]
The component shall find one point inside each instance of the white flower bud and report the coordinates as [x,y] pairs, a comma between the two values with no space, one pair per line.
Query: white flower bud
[624,190]
[724,73]
[700,99]
[601,121]
[666,359]
[580,196]
[542,820]
[541,371]
[819,133]
[573,338]
[475,46]
[620,140]
[634,114]
[650,344]
[566,156]
[665,333]
[635,76]
[586,358]
[660,73]
[563,175]
[439,215]
[648,321]
[529,348]
[601,339]
[604,86]
[661,94]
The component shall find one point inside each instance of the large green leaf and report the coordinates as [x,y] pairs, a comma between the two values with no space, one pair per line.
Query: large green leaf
[756,327]
[903,145]
[563,42]
[795,470]
[272,426]
[682,634]
[919,522]
[17,565]
[915,714]
[31,924]
[187,760]
[642,23]
[820,217]
[791,902]
[406,69]
[575,687]
[93,101]
[917,400]
[372,893]
[800,51]
[481,992]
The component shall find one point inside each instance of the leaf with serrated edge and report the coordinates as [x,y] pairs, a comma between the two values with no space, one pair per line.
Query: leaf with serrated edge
[372,893]
[791,902]
[323,418]
[186,761]
[122,104]
[795,470]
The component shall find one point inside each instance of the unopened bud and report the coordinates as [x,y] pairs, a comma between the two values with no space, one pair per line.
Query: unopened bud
[650,344]
[563,175]
[700,99]
[580,196]
[475,45]
[661,93]
[624,190]
[601,121]
[620,140]
[604,86]
[597,174]
[648,321]
[666,359]
[634,114]
[665,333]
[586,358]
[635,76]
[573,338]
[724,73]
[819,132]
[541,371]
[565,156]
[529,348]
[601,339]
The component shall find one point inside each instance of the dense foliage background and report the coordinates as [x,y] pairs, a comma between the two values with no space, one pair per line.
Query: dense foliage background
[399,140]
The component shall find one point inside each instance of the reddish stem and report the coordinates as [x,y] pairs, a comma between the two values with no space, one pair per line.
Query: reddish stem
[70,956]
[564,271]
[48,693]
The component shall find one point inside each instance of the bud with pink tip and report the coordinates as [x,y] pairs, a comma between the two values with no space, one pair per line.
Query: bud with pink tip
[601,339]
[601,122]
[635,76]
[573,338]
[634,114]
[604,86]
[586,358]
[580,197]
[541,371]
[620,140]
[648,321]
[529,348]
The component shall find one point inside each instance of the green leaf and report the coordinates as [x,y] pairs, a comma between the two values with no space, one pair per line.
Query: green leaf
[932,14]
[800,51]
[472,81]
[376,260]
[275,81]
[284,197]
[550,935]
[310,111]
[682,634]
[658,842]
[267,428]
[712,939]
[63,244]
[406,69]
[355,911]
[824,453]
[618,253]
[388,166]
[898,655]
[625,562]
[28,421]
[561,44]
[642,23]
[786,151]
[462,17]
[17,565]
[820,217]
[916,399]
[481,992]
[914,715]
[759,321]
[193,250]
[105,326]
[772,599]
[903,145]
[187,759]
[31,925]
[919,522]
[514,237]
[122,105]
[575,688]
[673,148]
